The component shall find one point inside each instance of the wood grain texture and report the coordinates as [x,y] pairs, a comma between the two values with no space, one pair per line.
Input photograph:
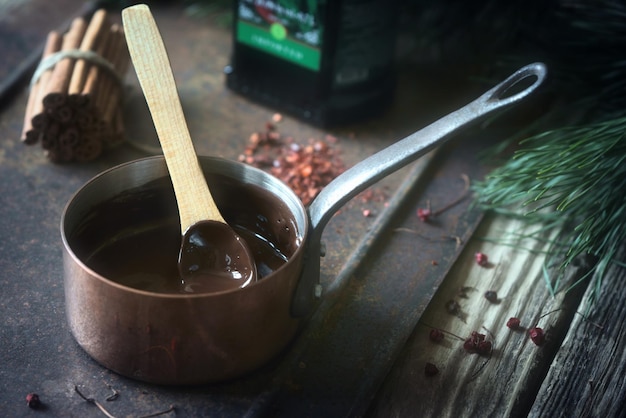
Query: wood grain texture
[588,375]
[505,382]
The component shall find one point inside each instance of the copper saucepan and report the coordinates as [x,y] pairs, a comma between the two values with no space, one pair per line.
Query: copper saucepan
[198,338]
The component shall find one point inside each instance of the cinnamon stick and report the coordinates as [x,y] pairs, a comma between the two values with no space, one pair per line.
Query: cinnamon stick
[63,113]
[50,137]
[94,76]
[39,122]
[109,88]
[60,78]
[84,118]
[34,107]
[75,109]
[89,148]
[89,42]
[70,138]
[78,101]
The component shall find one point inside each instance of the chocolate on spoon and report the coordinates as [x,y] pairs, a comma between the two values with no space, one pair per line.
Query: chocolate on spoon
[212,256]
[211,260]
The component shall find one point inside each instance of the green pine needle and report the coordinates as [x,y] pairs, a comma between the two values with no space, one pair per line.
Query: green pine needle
[571,178]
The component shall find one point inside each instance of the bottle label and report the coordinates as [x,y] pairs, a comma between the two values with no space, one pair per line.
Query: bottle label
[282,29]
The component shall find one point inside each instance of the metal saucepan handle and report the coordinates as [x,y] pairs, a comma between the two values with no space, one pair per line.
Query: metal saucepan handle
[374,168]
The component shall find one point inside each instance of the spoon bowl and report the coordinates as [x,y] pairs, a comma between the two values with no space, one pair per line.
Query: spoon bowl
[212,256]
[206,264]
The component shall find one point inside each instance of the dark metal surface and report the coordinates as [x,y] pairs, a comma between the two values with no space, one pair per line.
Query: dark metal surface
[384,269]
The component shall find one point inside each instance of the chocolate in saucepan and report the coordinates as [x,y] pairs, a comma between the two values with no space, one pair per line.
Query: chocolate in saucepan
[134,238]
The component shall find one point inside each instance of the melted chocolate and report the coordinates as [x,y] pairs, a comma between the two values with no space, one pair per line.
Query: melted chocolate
[134,238]
[213,257]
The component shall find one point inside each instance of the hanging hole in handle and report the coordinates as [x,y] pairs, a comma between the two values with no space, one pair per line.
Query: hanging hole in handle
[520,84]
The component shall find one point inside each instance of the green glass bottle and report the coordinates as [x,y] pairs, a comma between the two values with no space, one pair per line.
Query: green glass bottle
[328,62]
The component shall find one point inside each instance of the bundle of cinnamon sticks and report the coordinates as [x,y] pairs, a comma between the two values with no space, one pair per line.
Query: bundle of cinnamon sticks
[75,104]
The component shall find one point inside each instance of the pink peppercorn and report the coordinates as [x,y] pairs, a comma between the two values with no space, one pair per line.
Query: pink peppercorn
[537,335]
[513,323]
[492,296]
[476,343]
[424,214]
[484,347]
[481,259]
[430,369]
[32,400]
[436,335]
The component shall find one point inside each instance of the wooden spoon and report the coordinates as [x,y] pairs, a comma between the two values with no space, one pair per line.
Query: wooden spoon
[212,256]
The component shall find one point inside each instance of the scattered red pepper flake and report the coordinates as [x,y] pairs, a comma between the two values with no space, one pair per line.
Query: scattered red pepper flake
[33,401]
[513,323]
[492,296]
[367,213]
[476,343]
[430,369]
[481,259]
[537,335]
[469,345]
[306,169]
[424,214]
[436,335]
[484,347]
[477,336]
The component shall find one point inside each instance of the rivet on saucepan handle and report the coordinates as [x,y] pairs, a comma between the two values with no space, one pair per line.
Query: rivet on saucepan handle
[390,159]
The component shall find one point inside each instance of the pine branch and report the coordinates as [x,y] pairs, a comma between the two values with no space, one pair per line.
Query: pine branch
[572,175]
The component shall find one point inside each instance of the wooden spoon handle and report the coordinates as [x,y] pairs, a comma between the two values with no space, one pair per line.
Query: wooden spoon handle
[152,65]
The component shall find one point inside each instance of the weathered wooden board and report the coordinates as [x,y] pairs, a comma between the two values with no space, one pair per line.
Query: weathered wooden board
[588,375]
[505,381]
